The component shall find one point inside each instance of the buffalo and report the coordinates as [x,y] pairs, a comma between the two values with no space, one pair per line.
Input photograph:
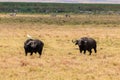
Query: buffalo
[86,43]
[33,46]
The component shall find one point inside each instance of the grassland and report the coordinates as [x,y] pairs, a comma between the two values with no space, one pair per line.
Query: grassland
[61,59]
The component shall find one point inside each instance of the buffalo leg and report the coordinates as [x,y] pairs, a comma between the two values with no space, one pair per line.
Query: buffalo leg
[95,50]
[31,53]
[80,50]
[90,51]
[40,52]
[25,53]
[84,51]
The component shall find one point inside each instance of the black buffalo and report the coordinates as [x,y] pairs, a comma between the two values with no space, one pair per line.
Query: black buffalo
[86,43]
[33,46]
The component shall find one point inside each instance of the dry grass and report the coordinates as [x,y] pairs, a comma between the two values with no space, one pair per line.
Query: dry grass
[61,19]
[61,59]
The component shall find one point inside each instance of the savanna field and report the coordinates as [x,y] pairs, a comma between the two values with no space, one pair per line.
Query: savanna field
[61,59]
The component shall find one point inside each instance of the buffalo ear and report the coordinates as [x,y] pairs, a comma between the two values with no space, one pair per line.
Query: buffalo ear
[76,42]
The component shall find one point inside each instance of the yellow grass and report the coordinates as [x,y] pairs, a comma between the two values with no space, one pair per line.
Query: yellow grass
[61,59]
